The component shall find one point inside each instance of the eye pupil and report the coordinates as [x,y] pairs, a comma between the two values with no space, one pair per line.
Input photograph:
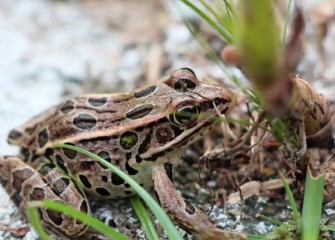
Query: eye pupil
[185,114]
[183,84]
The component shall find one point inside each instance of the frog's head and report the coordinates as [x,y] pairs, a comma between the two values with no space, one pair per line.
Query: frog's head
[190,108]
[198,103]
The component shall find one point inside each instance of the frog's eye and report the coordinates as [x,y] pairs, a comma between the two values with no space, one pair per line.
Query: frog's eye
[183,83]
[182,80]
[185,114]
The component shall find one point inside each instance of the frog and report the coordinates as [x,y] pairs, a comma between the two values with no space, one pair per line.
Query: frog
[142,132]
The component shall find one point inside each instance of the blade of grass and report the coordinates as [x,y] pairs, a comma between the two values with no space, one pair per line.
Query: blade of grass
[211,10]
[226,11]
[35,221]
[144,218]
[224,21]
[289,193]
[81,216]
[328,228]
[230,9]
[164,220]
[287,18]
[311,210]
[273,221]
[256,237]
[204,16]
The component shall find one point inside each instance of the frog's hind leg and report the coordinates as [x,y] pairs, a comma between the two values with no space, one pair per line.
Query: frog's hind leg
[24,184]
[185,213]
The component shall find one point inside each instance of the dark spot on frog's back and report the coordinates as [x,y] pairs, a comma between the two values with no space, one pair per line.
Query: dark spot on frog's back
[85,181]
[139,112]
[14,135]
[20,176]
[104,178]
[61,184]
[55,217]
[145,144]
[164,135]
[43,138]
[37,194]
[145,92]
[105,155]
[84,207]
[31,130]
[26,153]
[84,121]
[69,152]
[61,164]
[116,180]
[97,102]
[87,165]
[67,107]
[130,170]
[128,140]
[102,191]
[16,198]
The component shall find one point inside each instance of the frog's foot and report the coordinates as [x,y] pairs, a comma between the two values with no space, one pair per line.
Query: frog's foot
[24,184]
[184,213]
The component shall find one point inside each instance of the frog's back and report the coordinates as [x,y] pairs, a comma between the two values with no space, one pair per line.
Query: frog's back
[70,119]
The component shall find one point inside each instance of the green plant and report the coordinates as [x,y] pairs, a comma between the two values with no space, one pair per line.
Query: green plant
[263,57]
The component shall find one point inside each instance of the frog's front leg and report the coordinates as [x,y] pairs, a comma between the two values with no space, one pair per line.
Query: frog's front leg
[24,183]
[185,213]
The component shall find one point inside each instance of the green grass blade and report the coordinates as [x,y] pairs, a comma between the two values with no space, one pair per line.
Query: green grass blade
[230,9]
[273,221]
[328,228]
[35,221]
[287,18]
[211,10]
[296,214]
[256,237]
[225,20]
[204,16]
[159,213]
[142,214]
[83,217]
[311,211]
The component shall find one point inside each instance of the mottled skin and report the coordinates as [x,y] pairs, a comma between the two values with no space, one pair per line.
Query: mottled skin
[141,132]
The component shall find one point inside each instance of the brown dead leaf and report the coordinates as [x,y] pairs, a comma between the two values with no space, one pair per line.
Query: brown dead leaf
[295,43]
[252,188]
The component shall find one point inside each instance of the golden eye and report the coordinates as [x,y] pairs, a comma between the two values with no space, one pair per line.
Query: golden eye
[184,114]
